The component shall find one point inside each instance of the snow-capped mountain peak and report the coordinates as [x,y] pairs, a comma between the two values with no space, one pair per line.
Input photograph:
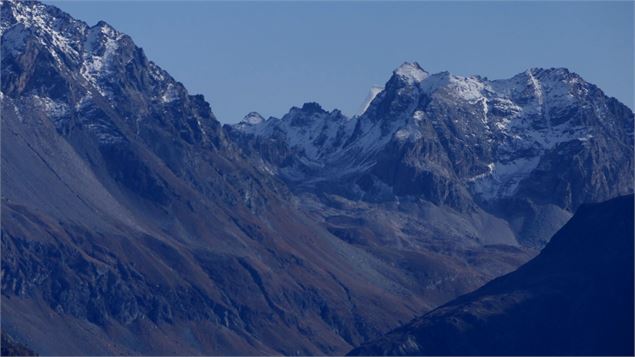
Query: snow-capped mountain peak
[253,118]
[372,93]
[411,72]
[92,61]
[489,136]
[51,26]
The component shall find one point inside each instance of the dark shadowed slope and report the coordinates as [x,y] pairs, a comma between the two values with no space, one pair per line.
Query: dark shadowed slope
[575,298]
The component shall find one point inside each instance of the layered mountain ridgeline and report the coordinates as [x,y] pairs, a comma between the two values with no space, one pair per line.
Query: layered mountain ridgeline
[522,153]
[575,298]
[132,225]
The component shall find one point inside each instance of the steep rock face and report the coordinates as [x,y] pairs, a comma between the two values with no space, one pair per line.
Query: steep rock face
[575,298]
[130,224]
[527,148]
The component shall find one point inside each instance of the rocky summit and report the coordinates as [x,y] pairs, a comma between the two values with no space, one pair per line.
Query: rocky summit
[528,150]
[133,222]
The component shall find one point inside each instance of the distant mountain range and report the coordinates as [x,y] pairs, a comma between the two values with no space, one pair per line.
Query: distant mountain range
[529,149]
[575,298]
[133,222]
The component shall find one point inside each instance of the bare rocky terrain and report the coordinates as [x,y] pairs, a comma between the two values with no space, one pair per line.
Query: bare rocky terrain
[133,222]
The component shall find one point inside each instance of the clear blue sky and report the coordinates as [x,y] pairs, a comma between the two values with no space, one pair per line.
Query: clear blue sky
[269,56]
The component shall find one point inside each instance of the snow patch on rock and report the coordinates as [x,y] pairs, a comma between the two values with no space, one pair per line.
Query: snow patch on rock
[100,52]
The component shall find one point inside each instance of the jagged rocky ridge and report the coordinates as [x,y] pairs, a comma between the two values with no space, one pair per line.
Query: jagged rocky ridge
[132,225]
[132,222]
[575,298]
[529,149]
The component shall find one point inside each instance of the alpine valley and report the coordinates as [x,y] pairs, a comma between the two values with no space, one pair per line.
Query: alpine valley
[133,222]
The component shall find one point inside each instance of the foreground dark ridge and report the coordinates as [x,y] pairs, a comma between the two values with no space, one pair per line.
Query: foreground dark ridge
[575,298]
